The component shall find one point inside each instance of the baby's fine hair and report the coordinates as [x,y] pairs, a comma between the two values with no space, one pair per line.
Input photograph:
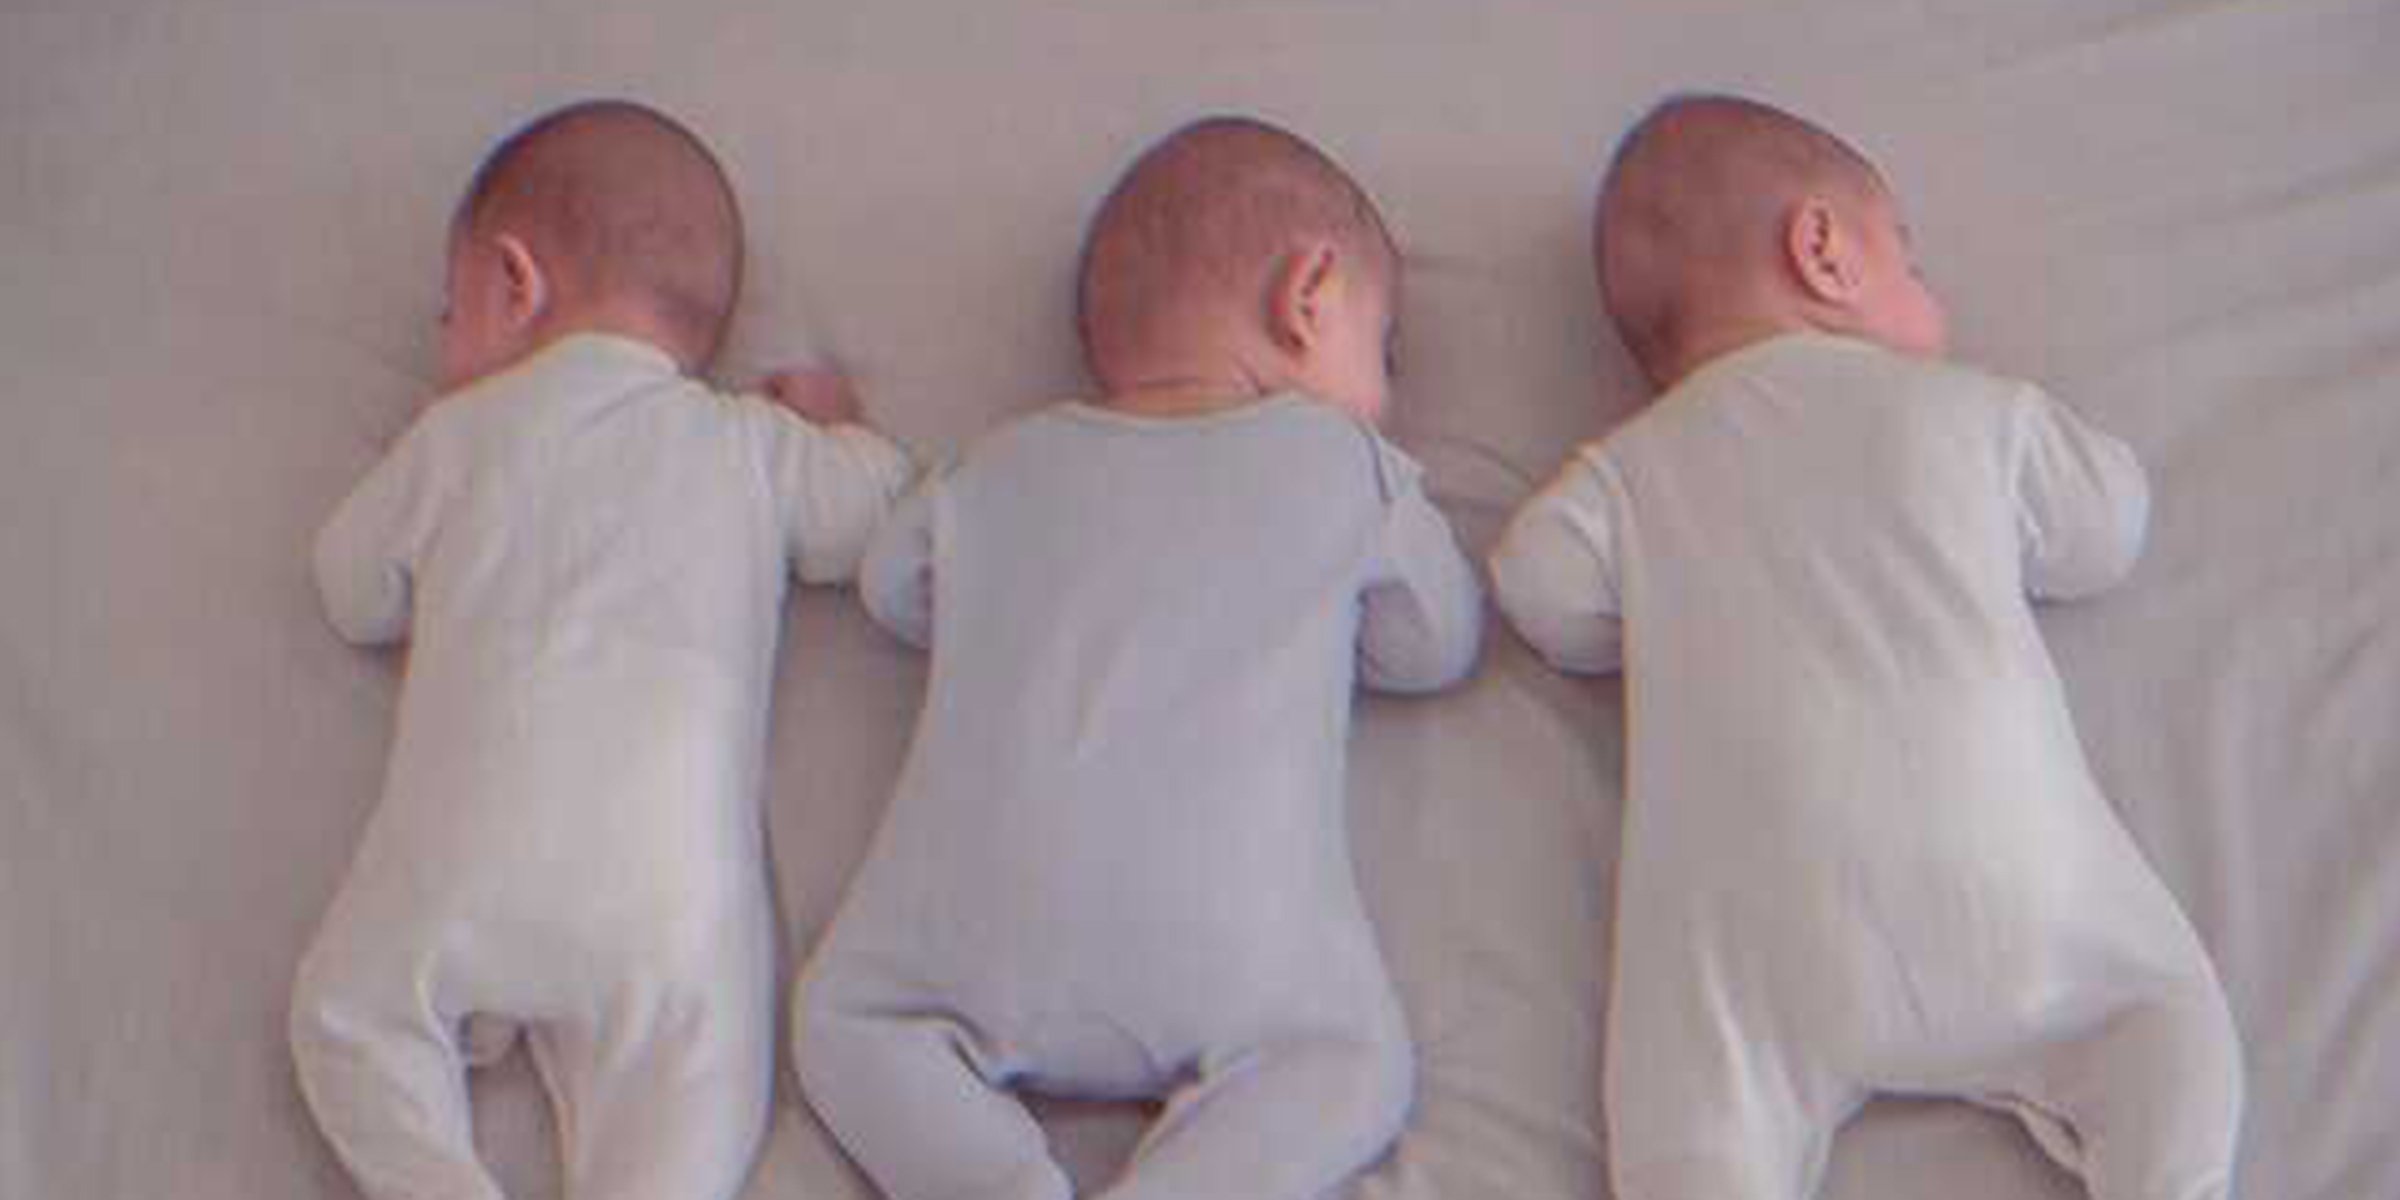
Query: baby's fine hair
[1697,191]
[619,202]
[1207,214]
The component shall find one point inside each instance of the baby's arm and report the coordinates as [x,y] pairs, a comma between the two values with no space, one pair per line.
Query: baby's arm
[2083,505]
[834,477]
[366,554]
[895,582]
[1555,573]
[1421,617]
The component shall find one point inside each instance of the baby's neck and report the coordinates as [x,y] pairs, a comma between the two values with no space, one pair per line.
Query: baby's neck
[1184,389]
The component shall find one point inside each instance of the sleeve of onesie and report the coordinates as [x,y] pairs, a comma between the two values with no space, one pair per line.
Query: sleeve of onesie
[1421,614]
[833,484]
[1555,571]
[895,580]
[2083,505]
[366,555]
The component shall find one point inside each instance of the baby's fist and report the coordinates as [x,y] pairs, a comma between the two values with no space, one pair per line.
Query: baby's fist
[822,397]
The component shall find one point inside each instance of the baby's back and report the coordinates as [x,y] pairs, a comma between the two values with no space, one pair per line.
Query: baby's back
[1146,627]
[597,580]
[1826,552]
[589,510]
[1129,768]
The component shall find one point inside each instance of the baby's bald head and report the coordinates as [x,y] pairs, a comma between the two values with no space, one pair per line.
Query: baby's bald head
[1695,208]
[1194,234]
[624,209]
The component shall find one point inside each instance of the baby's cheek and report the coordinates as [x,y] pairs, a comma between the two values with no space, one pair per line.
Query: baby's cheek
[1934,325]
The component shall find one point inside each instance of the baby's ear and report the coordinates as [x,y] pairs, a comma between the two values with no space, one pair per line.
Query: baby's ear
[1301,297]
[1821,251]
[528,285]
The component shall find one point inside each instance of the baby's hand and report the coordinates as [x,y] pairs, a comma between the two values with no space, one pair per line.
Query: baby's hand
[821,396]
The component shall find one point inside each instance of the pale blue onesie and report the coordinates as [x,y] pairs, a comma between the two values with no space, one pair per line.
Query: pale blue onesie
[1117,863]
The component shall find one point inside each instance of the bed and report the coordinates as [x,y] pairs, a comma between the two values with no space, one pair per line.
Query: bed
[222,228]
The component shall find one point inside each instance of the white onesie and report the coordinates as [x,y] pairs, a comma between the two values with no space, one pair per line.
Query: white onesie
[589,553]
[1117,862]
[1862,849]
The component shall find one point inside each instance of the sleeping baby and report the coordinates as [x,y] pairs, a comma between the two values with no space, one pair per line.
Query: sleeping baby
[1116,864]
[1862,851]
[588,550]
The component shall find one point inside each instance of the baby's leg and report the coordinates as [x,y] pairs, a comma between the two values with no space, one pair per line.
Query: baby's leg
[899,1089]
[2145,1104]
[1702,1103]
[1286,1120]
[381,1072]
[1764,1140]
[663,1094]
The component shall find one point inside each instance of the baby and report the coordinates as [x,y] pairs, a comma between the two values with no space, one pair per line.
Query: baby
[1117,863]
[1862,851]
[588,548]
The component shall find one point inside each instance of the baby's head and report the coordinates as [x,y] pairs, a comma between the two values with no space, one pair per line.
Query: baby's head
[1723,220]
[1235,258]
[601,217]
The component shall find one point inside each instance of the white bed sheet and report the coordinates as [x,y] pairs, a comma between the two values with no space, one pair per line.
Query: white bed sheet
[221,227]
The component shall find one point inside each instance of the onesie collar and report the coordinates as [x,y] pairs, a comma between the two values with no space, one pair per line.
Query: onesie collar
[580,369]
[630,353]
[1771,346]
[1100,414]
